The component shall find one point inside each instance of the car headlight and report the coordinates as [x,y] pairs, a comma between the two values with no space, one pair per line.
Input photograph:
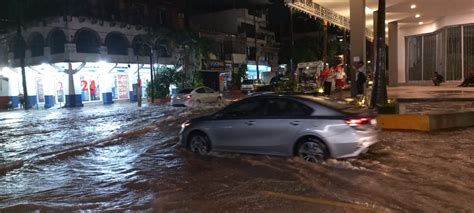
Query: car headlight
[185,124]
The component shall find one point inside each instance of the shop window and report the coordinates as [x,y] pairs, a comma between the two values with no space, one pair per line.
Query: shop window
[117,44]
[87,41]
[57,39]
[414,59]
[36,45]
[429,57]
[468,50]
[453,54]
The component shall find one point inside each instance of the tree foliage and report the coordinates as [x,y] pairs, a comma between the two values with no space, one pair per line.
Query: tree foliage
[163,79]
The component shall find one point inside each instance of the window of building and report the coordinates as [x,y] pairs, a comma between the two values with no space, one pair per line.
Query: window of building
[117,44]
[36,45]
[56,40]
[429,57]
[453,54]
[468,50]
[251,51]
[87,41]
[414,45]
[449,51]
[139,46]
[248,29]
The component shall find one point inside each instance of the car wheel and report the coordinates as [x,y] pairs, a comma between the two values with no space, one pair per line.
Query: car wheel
[199,143]
[219,99]
[312,150]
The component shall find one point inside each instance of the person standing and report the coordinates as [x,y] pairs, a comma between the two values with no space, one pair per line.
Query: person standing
[361,77]
[340,77]
[328,82]
[22,101]
[437,79]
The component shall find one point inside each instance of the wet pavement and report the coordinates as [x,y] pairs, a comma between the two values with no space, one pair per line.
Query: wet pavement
[123,158]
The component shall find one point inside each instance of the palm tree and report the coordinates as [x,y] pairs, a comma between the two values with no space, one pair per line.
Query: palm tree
[379,91]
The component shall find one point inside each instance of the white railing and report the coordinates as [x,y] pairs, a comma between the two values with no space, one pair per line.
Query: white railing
[314,9]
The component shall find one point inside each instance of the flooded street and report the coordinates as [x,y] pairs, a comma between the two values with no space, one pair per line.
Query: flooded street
[123,158]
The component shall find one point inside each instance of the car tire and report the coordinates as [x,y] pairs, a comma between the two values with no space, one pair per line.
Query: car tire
[312,150]
[199,143]
[219,100]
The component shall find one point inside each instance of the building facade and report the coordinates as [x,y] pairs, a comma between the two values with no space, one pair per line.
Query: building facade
[73,60]
[423,36]
[259,40]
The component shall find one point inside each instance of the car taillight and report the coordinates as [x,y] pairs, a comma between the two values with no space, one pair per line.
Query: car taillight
[189,96]
[355,122]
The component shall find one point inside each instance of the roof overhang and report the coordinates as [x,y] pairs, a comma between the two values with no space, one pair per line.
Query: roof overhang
[429,11]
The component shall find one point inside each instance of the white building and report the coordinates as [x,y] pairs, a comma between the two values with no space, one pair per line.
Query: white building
[252,26]
[77,60]
[423,36]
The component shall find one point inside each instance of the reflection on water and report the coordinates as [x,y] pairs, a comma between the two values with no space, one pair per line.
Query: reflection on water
[124,158]
[75,157]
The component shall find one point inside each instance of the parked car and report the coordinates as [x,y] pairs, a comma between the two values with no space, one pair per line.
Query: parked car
[313,128]
[249,85]
[198,95]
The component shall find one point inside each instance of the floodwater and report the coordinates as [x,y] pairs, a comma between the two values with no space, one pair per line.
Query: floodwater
[122,157]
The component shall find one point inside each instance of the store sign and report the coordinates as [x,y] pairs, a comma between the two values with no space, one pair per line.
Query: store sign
[213,65]
[40,90]
[122,81]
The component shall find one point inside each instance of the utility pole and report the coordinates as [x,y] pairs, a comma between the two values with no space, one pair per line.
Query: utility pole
[325,44]
[379,89]
[292,46]
[139,84]
[256,45]
[19,38]
[152,92]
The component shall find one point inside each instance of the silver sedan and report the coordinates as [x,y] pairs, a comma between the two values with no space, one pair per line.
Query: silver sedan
[287,125]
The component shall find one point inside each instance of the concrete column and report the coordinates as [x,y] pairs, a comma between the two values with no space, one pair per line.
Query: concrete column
[357,25]
[393,54]
[107,84]
[49,92]
[73,95]
[374,51]
[31,82]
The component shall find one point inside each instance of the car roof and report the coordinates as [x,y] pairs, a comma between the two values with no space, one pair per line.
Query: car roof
[305,97]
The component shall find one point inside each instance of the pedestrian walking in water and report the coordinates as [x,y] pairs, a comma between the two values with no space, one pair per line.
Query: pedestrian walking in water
[21,97]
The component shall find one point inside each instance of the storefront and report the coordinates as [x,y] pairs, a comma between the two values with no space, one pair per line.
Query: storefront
[264,72]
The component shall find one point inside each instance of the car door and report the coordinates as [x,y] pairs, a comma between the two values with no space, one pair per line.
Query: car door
[278,129]
[236,128]
[210,95]
[199,95]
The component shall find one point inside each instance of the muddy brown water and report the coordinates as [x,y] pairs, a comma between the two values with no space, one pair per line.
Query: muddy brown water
[124,158]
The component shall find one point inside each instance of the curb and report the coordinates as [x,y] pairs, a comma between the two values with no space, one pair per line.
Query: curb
[427,122]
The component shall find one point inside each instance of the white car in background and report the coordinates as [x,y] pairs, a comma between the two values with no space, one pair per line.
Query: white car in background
[197,95]
[249,85]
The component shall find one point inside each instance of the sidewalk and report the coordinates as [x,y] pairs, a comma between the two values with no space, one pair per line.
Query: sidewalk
[447,92]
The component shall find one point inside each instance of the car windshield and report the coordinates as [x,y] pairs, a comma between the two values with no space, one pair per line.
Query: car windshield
[185,91]
[247,82]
